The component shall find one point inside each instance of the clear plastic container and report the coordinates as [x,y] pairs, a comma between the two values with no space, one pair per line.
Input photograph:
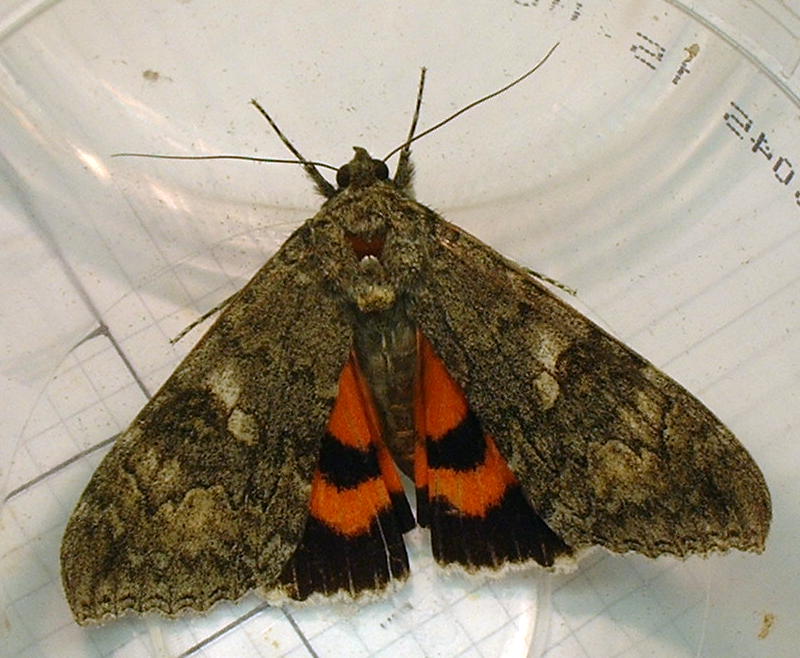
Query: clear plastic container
[653,164]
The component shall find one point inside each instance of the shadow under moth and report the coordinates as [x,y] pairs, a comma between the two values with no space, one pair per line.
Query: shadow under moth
[382,339]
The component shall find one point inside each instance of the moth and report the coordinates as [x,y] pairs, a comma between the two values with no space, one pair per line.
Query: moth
[379,340]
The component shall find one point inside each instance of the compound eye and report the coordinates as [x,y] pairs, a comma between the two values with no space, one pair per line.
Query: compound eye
[381,170]
[343,176]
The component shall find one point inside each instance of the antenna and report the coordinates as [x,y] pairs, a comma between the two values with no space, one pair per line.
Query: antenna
[404,145]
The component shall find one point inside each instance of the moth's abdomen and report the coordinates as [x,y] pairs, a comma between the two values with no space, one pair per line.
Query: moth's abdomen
[386,348]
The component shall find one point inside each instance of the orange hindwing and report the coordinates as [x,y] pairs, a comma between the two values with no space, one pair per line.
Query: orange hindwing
[466,492]
[358,512]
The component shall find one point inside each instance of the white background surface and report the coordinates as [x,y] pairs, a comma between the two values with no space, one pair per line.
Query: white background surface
[608,170]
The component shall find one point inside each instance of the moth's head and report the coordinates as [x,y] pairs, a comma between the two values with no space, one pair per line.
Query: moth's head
[362,171]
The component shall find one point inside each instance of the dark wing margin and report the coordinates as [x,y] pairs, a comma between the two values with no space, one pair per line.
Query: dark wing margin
[205,496]
[607,449]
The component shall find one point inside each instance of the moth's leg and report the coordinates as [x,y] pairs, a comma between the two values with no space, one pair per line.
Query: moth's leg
[554,282]
[204,317]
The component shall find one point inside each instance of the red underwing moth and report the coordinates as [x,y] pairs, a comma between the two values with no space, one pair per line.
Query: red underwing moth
[382,339]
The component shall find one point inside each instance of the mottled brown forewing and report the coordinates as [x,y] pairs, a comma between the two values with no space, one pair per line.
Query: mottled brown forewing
[205,496]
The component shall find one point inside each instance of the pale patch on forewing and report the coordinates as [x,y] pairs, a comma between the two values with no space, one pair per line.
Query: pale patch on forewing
[225,384]
[549,346]
[619,475]
[130,435]
[243,426]
[199,522]
[148,464]
[644,418]
[651,406]
[547,389]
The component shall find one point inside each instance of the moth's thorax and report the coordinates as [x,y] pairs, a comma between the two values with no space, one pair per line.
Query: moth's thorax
[372,244]
[368,210]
